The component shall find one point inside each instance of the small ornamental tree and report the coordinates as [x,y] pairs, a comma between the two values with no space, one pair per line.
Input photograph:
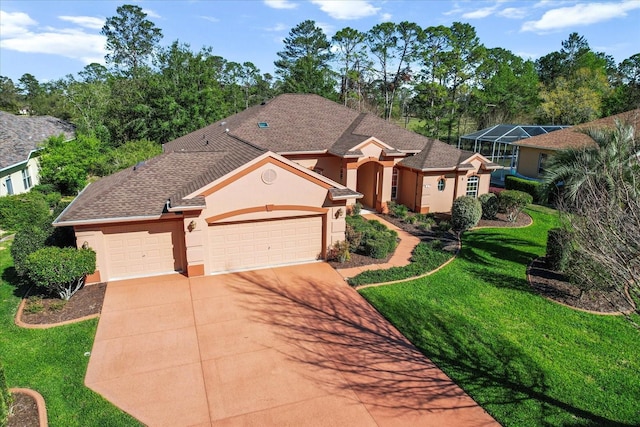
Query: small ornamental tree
[60,270]
[558,249]
[489,202]
[465,213]
[512,202]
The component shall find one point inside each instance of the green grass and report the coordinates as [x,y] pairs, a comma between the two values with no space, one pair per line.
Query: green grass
[526,360]
[52,362]
[425,258]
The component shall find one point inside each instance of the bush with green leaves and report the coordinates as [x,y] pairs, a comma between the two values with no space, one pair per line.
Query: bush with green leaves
[339,251]
[376,240]
[60,270]
[558,249]
[6,400]
[397,210]
[465,213]
[512,202]
[23,210]
[26,242]
[534,188]
[426,257]
[356,208]
[489,202]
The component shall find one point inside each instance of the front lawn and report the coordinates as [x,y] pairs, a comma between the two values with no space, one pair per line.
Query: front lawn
[526,360]
[52,362]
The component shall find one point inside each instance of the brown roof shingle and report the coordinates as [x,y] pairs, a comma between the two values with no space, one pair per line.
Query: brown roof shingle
[19,135]
[575,137]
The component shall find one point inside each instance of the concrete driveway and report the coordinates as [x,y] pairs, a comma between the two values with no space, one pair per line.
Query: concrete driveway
[290,346]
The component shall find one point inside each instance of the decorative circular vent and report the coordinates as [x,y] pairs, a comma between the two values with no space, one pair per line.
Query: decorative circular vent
[269,176]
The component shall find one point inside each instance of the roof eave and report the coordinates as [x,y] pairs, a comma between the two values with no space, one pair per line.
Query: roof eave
[105,220]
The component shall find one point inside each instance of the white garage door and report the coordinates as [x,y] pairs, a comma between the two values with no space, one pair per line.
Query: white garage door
[263,243]
[135,252]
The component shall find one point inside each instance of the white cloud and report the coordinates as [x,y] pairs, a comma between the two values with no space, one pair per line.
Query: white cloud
[73,43]
[85,21]
[277,28]
[480,13]
[70,43]
[14,24]
[280,4]
[347,9]
[210,18]
[386,17]
[513,13]
[579,15]
[328,29]
[151,14]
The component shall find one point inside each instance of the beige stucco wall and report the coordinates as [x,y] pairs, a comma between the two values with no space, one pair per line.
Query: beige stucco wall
[528,159]
[16,178]
[250,198]
[434,200]
[407,181]
[330,165]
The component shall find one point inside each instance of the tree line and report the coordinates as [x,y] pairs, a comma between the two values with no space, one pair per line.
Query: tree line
[441,78]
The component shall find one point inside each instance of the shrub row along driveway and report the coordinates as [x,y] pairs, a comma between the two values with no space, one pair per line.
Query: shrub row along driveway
[287,346]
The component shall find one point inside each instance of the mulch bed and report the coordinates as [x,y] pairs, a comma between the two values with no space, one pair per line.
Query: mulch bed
[556,287]
[358,260]
[24,411]
[85,302]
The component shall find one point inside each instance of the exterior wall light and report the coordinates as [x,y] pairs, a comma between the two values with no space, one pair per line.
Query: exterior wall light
[191,226]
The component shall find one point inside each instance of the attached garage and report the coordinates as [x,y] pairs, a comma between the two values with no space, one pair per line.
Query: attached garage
[143,250]
[254,244]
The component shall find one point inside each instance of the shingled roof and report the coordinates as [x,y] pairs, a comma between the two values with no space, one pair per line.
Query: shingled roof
[298,123]
[575,137]
[142,191]
[20,135]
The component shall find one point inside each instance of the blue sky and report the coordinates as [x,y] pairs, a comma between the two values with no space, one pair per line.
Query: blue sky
[51,39]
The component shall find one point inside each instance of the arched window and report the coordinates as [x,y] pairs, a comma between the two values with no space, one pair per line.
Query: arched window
[441,184]
[472,186]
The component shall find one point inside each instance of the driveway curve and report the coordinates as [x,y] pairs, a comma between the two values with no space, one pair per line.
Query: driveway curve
[284,346]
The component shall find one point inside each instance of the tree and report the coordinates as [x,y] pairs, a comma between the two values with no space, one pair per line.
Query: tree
[304,62]
[131,37]
[67,164]
[349,44]
[600,199]
[9,96]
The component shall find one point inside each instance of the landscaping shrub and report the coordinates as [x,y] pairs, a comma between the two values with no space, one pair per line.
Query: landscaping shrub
[6,400]
[375,239]
[512,202]
[23,210]
[356,208]
[25,243]
[558,249]
[425,257]
[411,219]
[489,202]
[60,270]
[443,226]
[51,195]
[465,213]
[398,210]
[526,185]
[339,251]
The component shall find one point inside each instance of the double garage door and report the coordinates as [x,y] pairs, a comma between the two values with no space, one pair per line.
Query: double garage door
[136,252]
[245,245]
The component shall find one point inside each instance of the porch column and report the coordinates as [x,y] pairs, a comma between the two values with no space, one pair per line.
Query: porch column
[383,195]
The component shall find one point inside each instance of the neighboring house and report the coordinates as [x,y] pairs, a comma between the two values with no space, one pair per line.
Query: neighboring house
[534,152]
[268,186]
[20,140]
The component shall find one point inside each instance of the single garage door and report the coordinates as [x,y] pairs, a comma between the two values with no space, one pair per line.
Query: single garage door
[134,251]
[256,244]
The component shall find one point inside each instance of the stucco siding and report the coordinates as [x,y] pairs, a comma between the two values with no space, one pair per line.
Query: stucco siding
[528,161]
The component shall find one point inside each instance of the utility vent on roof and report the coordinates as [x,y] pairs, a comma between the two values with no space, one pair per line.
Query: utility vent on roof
[263,125]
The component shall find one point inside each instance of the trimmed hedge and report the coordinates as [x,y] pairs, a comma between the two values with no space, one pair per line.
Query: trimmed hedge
[25,243]
[465,213]
[23,210]
[558,249]
[534,188]
[426,257]
[376,240]
[512,202]
[489,202]
[60,270]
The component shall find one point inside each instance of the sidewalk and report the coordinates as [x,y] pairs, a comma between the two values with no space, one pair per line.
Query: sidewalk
[400,258]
